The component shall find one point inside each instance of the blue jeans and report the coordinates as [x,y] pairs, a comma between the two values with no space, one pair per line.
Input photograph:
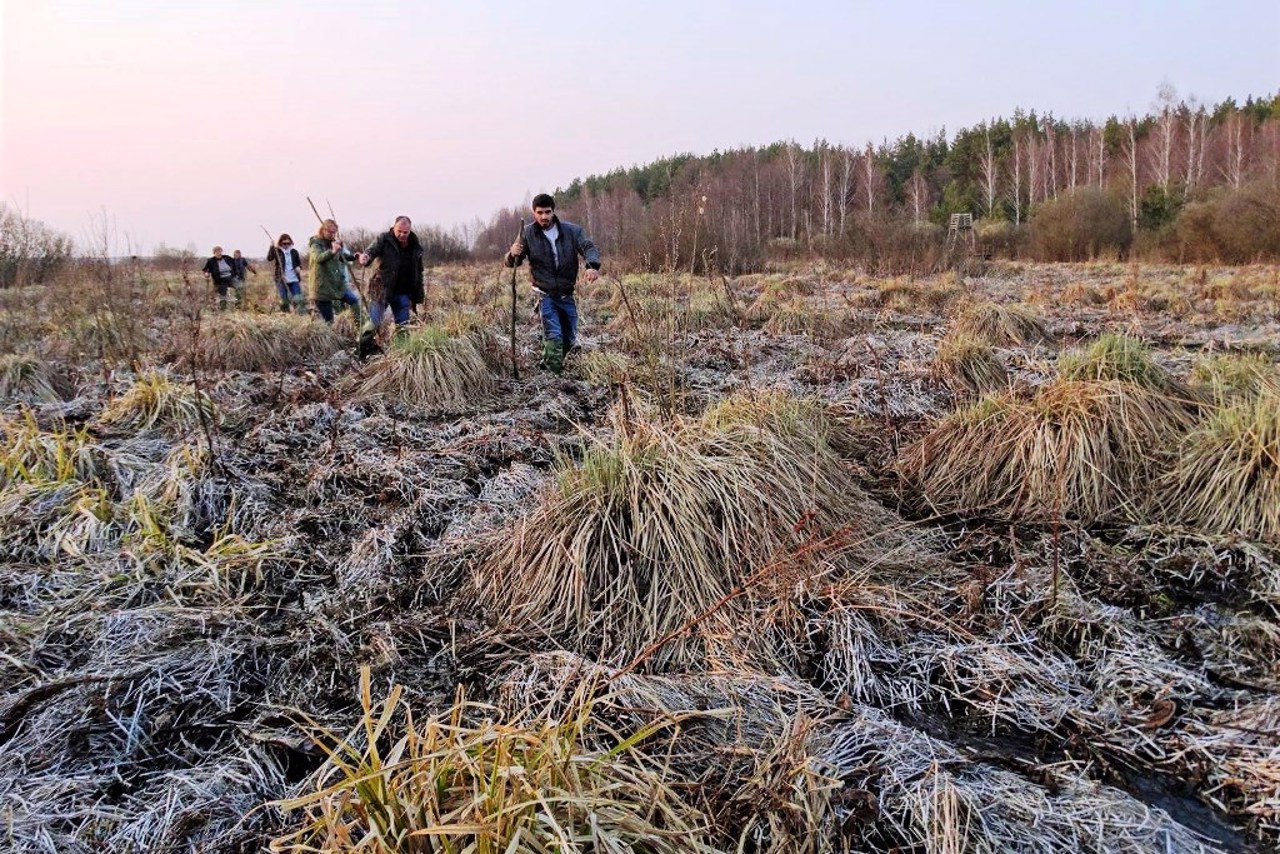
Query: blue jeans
[559,320]
[399,305]
[325,307]
[290,293]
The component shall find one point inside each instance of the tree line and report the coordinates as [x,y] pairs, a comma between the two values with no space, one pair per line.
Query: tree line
[1186,181]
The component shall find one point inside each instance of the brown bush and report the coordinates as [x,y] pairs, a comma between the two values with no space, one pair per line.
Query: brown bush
[1232,226]
[1080,226]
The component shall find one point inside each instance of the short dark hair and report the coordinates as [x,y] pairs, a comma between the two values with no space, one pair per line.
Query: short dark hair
[544,200]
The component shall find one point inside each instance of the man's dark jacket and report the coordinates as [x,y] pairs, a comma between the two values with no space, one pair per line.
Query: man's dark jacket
[392,260]
[211,267]
[553,279]
[275,255]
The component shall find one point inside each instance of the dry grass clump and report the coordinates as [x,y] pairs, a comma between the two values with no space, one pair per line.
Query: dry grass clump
[604,367]
[905,296]
[464,780]
[432,369]
[969,365]
[1079,293]
[898,295]
[1231,375]
[1230,287]
[939,294]
[156,399]
[1086,450]
[26,377]
[743,742]
[1003,325]
[1227,475]
[1119,357]
[706,309]
[239,341]
[798,317]
[663,521]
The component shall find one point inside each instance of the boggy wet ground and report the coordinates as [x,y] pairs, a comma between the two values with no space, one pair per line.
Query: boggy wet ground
[178,596]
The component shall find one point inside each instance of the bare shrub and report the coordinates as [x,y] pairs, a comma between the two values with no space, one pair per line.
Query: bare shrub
[30,251]
[1080,226]
[1232,226]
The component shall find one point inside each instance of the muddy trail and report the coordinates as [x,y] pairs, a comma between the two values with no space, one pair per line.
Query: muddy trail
[801,561]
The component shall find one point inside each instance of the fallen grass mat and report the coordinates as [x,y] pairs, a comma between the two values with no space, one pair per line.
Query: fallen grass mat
[666,521]
[433,369]
[466,780]
[782,768]
[1087,450]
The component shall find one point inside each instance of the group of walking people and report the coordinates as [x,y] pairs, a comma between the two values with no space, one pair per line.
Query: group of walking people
[551,246]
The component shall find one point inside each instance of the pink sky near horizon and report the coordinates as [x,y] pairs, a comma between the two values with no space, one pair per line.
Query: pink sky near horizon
[194,123]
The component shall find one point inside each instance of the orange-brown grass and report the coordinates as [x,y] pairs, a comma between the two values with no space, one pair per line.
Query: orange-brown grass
[1079,293]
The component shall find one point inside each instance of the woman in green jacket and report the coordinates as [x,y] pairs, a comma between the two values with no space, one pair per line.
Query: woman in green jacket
[325,277]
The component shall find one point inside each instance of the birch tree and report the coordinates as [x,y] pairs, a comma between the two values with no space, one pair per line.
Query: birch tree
[988,170]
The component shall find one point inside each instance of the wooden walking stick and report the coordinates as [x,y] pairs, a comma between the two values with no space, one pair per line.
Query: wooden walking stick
[515,367]
[271,241]
[314,211]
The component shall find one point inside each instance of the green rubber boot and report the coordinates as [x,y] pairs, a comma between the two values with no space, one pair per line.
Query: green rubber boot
[553,355]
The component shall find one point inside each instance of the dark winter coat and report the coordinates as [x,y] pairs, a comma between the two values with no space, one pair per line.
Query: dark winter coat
[554,279]
[211,267]
[400,269]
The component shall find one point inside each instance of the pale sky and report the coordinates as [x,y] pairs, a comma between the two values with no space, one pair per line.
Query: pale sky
[201,122]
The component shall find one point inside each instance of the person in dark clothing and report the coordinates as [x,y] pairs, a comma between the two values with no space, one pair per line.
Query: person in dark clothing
[287,270]
[240,268]
[220,269]
[552,246]
[398,282]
